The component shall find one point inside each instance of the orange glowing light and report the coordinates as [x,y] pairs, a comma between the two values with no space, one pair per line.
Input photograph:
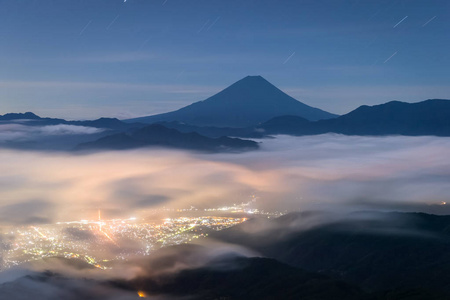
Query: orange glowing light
[142,294]
[40,233]
[110,238]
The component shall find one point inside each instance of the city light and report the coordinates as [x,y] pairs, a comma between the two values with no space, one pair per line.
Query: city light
[92,241]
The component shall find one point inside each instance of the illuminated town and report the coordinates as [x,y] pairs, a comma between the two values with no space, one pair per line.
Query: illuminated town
[100,242]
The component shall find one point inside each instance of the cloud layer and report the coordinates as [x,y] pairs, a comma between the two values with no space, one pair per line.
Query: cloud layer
[298,173]
[19,132]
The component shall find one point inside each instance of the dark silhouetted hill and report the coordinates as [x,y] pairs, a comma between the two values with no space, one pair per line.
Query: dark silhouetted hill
[159,136]
[365,256]
[214,132]
[248,102]
[378,252]
[430,117]
[247,279]
[35,120]
[19,116]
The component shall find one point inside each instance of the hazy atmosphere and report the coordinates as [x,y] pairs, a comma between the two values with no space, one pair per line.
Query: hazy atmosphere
[306,173]
[224,150]
[84,59]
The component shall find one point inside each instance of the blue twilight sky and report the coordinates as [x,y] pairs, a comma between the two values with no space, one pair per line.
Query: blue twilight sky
[81,59]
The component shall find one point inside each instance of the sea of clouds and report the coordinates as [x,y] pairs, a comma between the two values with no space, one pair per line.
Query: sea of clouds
[293,173]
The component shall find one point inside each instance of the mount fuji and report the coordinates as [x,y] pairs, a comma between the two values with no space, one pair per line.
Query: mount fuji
[250,101]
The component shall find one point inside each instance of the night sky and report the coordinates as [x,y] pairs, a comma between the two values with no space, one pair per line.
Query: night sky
[91,58]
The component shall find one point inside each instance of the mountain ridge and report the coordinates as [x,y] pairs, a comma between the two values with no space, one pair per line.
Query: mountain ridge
[376,251]
[156,135]
[249,101]
[35,120]
[429,117]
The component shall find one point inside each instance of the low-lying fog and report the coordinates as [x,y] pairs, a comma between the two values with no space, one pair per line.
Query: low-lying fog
[295,173]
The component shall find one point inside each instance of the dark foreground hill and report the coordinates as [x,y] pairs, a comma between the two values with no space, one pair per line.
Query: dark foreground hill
[248,102]
[169,274]
[377,252]
[232,278]
[159,136]
[241,278]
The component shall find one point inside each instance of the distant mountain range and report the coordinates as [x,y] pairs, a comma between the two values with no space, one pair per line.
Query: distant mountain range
[19,116]
[119,135]
[250,108]
[248,102]
[430,117]
[31,119]
[156,135]
[211,131]
[253,107]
